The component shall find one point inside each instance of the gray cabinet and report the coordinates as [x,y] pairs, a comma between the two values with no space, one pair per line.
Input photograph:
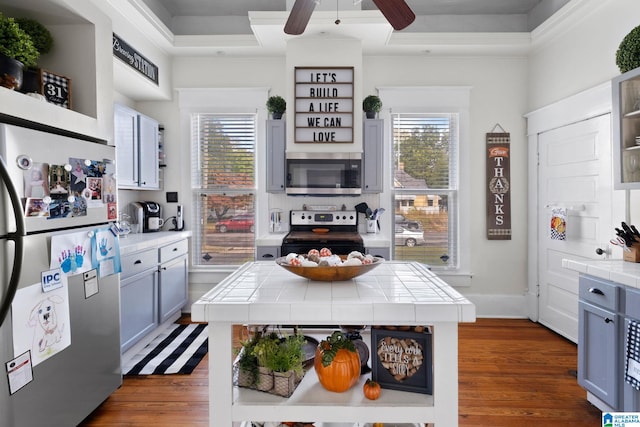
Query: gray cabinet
[138,297]
[173,280]
[136,141]
[631,396]
[626,128]
[599,339]
[153,287]
[267,253]
[373,139]
[276,145]
[383,252]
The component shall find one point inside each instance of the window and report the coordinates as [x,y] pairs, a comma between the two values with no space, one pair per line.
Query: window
[425,190]
[439,112]
[223,182]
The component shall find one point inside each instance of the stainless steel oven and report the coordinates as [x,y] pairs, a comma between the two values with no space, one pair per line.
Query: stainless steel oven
[336,230]
[317,174]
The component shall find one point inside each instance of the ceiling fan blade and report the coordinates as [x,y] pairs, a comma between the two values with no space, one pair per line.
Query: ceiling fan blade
[299,17]
[397,12]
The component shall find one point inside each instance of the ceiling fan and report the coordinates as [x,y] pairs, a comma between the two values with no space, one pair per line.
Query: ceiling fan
[397,12]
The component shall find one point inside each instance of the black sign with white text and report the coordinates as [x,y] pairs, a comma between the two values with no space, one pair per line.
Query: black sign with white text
[134,59]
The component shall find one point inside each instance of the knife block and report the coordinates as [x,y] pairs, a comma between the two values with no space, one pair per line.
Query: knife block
[633,255]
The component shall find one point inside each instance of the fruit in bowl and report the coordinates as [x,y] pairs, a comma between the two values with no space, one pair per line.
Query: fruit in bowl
[324,266]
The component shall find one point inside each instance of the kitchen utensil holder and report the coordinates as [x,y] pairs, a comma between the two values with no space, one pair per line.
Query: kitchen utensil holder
[633,255]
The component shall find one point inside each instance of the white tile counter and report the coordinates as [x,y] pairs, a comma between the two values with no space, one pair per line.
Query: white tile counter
[395,293]
[139,241]
[616,270]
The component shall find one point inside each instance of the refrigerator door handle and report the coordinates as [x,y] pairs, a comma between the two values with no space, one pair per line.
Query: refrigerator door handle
[17,237]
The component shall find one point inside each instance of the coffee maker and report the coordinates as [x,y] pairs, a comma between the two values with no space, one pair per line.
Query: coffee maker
[148,215]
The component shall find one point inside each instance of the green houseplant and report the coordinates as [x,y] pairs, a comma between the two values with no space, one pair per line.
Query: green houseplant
[16,52]
[371,106]
[43,42]
[276,106]
[628,53]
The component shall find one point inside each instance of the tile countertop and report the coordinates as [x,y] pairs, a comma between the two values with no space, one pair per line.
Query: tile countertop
[141,241]
[616,270]
[396,292]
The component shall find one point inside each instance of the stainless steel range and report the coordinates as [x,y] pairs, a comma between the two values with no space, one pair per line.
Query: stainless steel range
[336,230]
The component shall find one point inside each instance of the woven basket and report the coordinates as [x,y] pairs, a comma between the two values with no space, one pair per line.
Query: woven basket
[284,383]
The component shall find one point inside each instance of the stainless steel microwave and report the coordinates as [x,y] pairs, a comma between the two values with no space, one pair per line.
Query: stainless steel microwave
[324,174]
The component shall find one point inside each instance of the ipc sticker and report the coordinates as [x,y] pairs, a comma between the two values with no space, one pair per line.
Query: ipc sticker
[621,419]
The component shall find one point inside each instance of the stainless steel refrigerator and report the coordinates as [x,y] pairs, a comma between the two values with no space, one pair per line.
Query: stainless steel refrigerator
[54,185]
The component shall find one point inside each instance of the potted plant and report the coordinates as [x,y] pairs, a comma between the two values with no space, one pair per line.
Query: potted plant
[371,105]
[628,53]
[286,362]
[43,42]
[337,363]
[16,52]
[248,363]
[276,106]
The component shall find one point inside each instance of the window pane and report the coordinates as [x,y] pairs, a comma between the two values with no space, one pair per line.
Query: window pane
[227,233]
[422,229]
[223,172]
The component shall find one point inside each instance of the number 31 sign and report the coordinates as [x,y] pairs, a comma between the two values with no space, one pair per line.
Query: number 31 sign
[56,89]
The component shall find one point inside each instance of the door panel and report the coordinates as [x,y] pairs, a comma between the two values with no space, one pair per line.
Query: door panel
[574,173]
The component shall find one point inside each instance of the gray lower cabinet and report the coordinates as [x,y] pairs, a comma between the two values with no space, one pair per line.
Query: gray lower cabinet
[173,286]
[600,345]
[153,287]
[631,396]
[383,252]
[138,297]
[267,253]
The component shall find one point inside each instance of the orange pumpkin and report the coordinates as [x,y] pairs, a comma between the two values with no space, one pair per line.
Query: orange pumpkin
[371,389]
[342,373]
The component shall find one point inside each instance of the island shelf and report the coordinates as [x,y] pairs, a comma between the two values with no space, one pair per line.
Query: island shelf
[395,293]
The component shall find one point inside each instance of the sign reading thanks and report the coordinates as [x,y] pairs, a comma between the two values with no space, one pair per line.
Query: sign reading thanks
[324,105]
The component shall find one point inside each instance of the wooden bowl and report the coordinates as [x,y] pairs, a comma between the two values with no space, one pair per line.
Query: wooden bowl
[330,273]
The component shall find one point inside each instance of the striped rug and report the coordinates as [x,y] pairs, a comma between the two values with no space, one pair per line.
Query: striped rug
[178,350]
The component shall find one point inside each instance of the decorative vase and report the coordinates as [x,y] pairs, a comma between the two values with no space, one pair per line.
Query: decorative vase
[284,383]
[10,72]
[370,114]
[265,379]
[30,80]
[277,115]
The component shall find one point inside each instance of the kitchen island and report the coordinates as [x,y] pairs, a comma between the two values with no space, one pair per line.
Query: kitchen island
[395,293]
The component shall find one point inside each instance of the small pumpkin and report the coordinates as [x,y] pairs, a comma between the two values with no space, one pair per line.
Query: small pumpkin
[371,389]
[337,363]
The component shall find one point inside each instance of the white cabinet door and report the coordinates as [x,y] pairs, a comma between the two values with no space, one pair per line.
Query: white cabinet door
[126,141]
[148,151]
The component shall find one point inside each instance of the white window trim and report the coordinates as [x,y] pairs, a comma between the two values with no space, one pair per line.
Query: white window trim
[437,99]
[221,101]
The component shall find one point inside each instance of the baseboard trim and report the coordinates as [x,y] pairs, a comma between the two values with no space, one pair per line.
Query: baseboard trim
[499,306]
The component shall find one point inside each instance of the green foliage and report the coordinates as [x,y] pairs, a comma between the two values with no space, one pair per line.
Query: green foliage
[372,103]
[247,361]
[280,354]
[276,104]
[628,53]
[334,342]
[16,43]
[424,152]
[40,35]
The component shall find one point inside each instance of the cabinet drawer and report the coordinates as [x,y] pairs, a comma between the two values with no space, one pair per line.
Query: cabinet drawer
[599,292]
[174,250]
[138,262]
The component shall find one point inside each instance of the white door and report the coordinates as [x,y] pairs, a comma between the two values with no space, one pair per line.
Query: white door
[574,173]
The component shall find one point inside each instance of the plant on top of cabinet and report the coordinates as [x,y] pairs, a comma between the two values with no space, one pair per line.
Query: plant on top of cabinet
[43,42]
[16,51]
[371,105]
[276,106]
[628,53]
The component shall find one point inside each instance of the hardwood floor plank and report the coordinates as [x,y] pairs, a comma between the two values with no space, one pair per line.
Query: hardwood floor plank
[512,372]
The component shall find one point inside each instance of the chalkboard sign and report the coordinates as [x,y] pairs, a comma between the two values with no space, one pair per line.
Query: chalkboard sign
[56,89]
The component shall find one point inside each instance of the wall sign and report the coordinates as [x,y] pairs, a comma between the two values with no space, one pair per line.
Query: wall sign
[324,105]
[134,59]
[498,186]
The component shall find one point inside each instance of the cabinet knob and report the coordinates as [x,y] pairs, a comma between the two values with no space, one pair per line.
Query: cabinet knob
[607,320]
[600,251]
[138,262]
[596,291]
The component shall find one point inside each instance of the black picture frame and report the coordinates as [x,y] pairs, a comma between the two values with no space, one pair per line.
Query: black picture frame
[386,357]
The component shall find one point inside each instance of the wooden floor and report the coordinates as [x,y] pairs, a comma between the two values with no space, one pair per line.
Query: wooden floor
[513,373]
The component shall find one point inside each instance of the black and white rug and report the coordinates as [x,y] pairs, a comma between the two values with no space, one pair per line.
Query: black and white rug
[178,350]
